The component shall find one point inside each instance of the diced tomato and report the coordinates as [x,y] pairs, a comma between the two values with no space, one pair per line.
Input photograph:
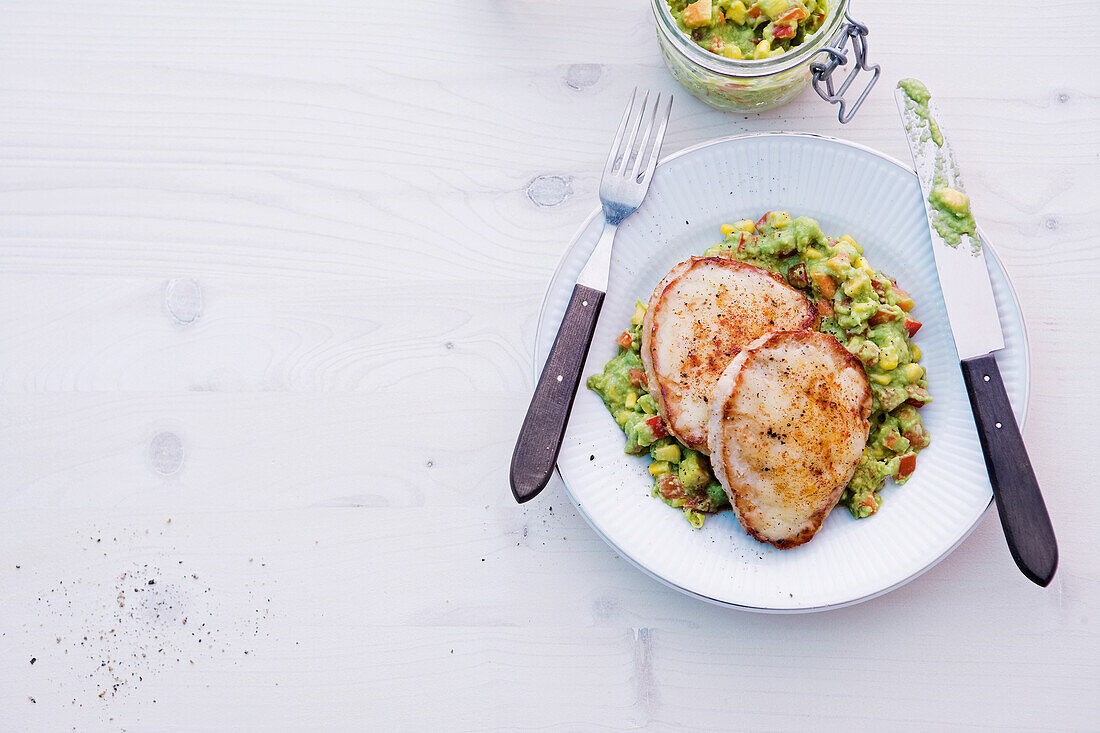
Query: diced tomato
[755,12]
[905,300]
[824,307]
[824,283]
[741,241]
[907,465]
[697,14]
[669,486]
[882,316]
[917,437]
[918,396]
[760,222]
[721,17]
[794,13]
[912,325]
[636,377]
[893,440]
[625,339]
[716,44]
[783,31]
[870,502]
[797,276]
[657,425]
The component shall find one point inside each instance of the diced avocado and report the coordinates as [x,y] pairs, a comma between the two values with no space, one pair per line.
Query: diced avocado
[717,495]
[773,7]
[694,472]
[891,397]
[669,452]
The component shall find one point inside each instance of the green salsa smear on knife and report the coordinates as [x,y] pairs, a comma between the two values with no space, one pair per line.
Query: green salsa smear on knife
[865,310]
[748,29]
[951,214]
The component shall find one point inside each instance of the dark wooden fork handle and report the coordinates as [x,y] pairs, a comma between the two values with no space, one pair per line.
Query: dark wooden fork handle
[1020,505]
[543,429]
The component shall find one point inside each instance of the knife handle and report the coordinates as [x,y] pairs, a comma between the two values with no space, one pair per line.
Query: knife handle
[1023,513]
[543,429]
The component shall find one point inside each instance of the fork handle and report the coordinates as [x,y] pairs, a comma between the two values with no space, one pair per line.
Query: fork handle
[543,429]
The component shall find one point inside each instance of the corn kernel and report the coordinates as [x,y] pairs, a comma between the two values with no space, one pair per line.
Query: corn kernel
[737,12]
[914,352]
[731,52]
[882,379]
[658,468]
[745,225]
[639,315]
[779,219]
[812,254]
[887,360]
[762,50]
[727,229]
[631,400]
[914,372]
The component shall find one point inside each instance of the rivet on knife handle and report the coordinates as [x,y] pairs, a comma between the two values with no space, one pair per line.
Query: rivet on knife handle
[543,429]
[1023,513]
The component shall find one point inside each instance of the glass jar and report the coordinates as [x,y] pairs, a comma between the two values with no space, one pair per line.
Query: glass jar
[747,85]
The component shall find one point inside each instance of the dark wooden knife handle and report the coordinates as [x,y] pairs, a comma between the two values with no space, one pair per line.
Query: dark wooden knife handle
[543,429]
[1023,513]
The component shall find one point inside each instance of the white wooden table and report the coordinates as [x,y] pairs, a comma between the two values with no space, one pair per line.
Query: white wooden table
[269,275]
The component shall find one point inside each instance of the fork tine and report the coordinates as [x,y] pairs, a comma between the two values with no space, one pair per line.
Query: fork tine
[634,134]
[613,154]
[640,160]
[658,141]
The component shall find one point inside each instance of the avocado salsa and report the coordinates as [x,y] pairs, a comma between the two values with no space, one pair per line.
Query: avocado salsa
[867,313]
[748,29]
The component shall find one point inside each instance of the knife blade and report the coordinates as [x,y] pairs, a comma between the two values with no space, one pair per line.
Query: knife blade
[976,328]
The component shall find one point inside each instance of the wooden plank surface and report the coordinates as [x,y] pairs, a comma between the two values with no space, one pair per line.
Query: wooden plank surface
[271,271]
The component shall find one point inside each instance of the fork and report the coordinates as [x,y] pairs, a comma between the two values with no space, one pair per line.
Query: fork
[626,178]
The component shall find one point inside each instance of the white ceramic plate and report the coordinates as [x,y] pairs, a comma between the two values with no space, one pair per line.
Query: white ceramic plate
[849,189]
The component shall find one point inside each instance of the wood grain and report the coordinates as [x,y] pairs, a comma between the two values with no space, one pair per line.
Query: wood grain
[271,271]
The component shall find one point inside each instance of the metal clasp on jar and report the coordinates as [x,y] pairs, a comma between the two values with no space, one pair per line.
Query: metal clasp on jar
[822,71]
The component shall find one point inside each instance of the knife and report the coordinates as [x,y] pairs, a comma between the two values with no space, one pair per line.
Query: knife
[976,327]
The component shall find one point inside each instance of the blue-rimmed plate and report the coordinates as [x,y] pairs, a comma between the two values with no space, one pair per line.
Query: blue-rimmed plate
[851,190]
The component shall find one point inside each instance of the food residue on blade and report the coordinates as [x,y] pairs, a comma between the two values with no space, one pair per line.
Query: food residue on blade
[951,215]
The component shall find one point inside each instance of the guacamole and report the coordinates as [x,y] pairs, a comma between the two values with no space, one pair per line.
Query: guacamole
[682,477]
[951,216]
[865,310]
[748,29]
